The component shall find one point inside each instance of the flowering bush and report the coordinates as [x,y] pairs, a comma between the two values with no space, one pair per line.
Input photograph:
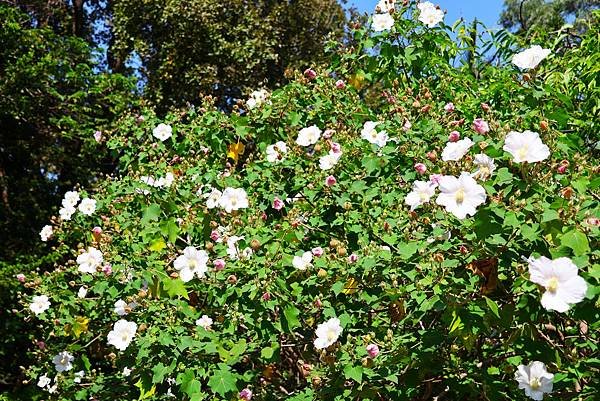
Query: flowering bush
[335,242]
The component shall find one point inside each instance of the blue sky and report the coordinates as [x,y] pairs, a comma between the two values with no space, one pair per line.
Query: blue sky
[487,11]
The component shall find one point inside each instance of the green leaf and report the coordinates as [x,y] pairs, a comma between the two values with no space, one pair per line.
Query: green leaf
[291,314]
[174,288]
[408,249]
[353,372]
[151,213]
[577,241]
[493,306]
[159,370]
[222,382]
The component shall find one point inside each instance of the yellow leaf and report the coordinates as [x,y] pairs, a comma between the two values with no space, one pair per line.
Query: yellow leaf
[351,286]
[234,151]
[79,327]
[456,325]
[157,245]
[357,80]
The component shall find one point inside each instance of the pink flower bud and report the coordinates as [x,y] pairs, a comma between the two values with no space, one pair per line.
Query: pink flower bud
[420,168]
[263,216]
[330,181]
[140,119]
[340,84]
[318,251]
[593,221]
[21,277]
[277,204]
[214,235]
[107,269]
[353,258]
[246,394]
[481,126]
[328,133]
[463,249]
[454,136]
[449,107]
[372,350]
[562,169]
[97,233]
[219,264]
[310,73]
[485,107]
[266,296]
[41,344]
[318,303]
[435,178]
[336,147]
[432,155]
[407,125]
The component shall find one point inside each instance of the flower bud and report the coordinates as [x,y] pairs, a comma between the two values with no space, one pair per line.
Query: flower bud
[341,251]
[322,273]
[232,279]
[420,168]
[21,278]
[562,169]
[255,244]
[432,155]
[485,107]
[266,296]
[330,181]
[340,84]
[214,235]
[277,204]
[449,107]
[372,350]
[310,74]
[481,126]
[454,136]
[318,251]
[219,264]
[543,125]
[352,258]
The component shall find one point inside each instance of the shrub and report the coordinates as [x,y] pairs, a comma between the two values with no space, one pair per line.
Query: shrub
[365,256]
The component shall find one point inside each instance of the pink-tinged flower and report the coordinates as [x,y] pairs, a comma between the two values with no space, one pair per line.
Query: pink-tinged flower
[107,269]
[420,168]
[97,232]
[593,221]
[277,204]
[435,178]
[214,235]
[340,84]
[98,136]
[449,107]
[266,296]
[21,278]
[328,133]
[310,73]
[481,126]
[318,251]
[330,181]
[454,136]
[219,264]
[407,125]
[353,258]
[372,350]
[336,147]
[562,169]
[246,394]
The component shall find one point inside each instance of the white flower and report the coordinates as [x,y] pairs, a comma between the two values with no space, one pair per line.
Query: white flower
[46,233]
[43,381]
[370,134]
[82,292]
[53,389]
[257,98]
[66,212]
[534,379]
[421,193]
[62,361]
[486,166]
[162,132]
[456,150]
[232,249]
[87,206]
[560,279]
[39,304]
[70,199]
[90,260]
[526,147]
[385,6]
[213,198]
[382,22]
[169,179]
[429,14]
[460,196]
[530,58]
[303,262]
[122,308]
[192,262]
[204,322]
[122,334]
[275,152]
[126,371]
[78,376]
[328,161]
[308,136]
[233,199]
[328,333]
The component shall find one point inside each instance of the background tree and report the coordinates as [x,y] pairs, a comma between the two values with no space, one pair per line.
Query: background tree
[523,16]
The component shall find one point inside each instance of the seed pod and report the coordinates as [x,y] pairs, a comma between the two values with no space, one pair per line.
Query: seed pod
[255,245]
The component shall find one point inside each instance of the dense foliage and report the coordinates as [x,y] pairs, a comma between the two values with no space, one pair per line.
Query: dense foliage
[214,256]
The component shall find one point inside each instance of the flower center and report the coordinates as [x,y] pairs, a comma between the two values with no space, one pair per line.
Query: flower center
[331,335]
[552,285]
[124,337]
[423,197]
[522,153]
[460,196]
[192,264]
[535,383]
[63,360]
